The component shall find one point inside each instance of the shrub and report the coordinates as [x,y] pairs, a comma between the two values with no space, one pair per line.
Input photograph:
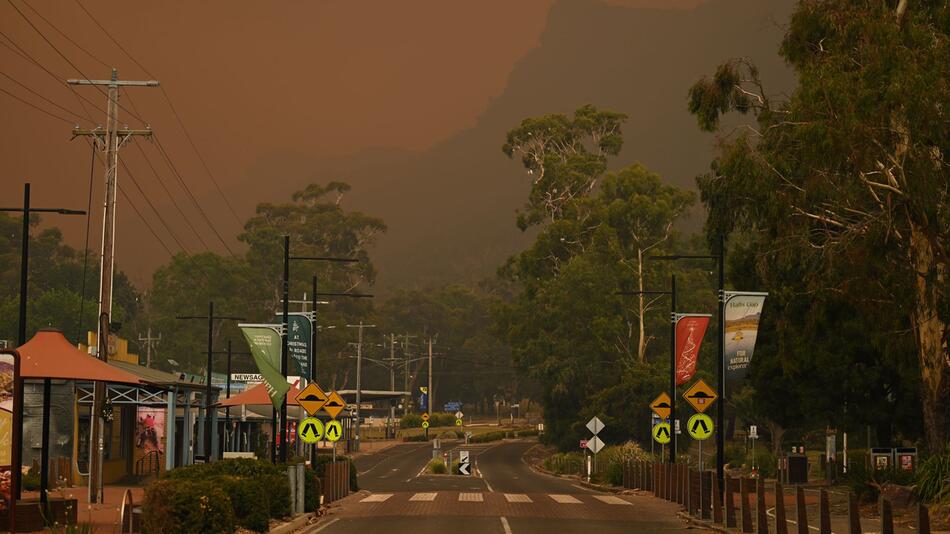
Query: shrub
[526,432]
[866,482]
[933,479]
[251,508]
[414,439]
[410,420]
[186,506]
[489,436]
[611,460]
[436,467]
[565,463]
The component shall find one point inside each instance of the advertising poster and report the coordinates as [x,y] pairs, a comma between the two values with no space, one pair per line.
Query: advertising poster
[149,429]
[264,341]
[743,311]
[6,427]
[690,330]
[298,342]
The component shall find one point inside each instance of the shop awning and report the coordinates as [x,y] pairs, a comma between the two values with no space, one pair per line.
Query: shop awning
[257,395]
[49,354]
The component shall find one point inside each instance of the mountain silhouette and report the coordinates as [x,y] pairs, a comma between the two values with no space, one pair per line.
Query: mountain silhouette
[451,208]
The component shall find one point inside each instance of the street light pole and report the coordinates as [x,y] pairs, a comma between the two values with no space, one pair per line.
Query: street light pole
[721,371]
[211,317]
[26,210]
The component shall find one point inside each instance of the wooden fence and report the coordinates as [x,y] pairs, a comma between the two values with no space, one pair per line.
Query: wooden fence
[702,498]
[336,481]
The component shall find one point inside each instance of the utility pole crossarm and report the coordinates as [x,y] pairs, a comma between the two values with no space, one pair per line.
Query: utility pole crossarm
[115,83]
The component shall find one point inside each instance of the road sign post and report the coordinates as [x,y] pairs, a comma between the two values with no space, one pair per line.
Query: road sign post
[594,444]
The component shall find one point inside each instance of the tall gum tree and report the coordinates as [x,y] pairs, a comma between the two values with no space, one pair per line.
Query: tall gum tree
[853,163]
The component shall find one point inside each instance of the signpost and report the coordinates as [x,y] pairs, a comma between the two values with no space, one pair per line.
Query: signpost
[458,418]
[594,444]
[700,426]
[464,465]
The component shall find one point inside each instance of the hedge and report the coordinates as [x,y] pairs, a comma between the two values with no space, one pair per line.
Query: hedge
[255,492]
[187,506]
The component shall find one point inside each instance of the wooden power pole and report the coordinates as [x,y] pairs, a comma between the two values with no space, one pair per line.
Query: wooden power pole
[110,140]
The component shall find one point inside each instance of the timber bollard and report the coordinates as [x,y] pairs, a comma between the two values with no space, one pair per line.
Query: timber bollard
[669,481]
[923,519]
[801,514]
[674,482]
[728,485]
[693,492]
[655,479]
[684,485]
[781,525]
[824,513]
[705,494]
[761,520]
[854,514]
[744,503]
[717,502]
[887,517]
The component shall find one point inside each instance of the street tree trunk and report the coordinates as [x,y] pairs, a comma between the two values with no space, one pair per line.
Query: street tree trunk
[931,334]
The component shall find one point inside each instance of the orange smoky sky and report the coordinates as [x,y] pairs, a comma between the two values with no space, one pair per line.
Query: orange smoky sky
[249,80]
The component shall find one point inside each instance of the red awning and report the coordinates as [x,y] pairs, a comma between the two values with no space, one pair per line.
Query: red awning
[257,395]
[49,354]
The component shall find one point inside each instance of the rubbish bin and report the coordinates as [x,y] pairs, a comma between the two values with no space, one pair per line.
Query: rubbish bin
[797,470]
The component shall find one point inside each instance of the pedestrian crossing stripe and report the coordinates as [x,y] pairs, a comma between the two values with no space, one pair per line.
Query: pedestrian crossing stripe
[517,497]
[565,499]
[610,499]
[423,497]
[377,497]
[471,497]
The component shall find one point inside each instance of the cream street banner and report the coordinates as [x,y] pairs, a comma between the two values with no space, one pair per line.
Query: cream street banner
[690,329]
[743,310]
[264,341]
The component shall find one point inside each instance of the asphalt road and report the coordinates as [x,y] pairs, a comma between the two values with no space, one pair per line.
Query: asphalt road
[507,497]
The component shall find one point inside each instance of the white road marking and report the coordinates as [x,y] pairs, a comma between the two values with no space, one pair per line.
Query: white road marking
[504,525]
[423,497]
[471,497]
[771,515]
[517,497]
[377,497]
[564,499]
[580,487]
[488,485]
[611,499]
[325,525]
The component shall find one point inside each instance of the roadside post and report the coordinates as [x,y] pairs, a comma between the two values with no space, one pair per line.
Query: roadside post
[660,430]
[464,465]
[595,425]
[333,429]
[700,426]
[311,399]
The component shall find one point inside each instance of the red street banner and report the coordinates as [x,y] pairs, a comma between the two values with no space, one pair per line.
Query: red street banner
[690,329]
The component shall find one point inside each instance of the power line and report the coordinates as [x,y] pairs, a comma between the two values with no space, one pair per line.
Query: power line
[63,34]
[59,80]
[181,180]
[171,106]
[34,106]
[139,213]
[67,110]
[66,59]
[172,198]
[149,202]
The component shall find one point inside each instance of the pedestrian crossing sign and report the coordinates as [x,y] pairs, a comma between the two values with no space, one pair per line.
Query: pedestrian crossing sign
[700,426]
[661,433]
[334,430]
[310,430]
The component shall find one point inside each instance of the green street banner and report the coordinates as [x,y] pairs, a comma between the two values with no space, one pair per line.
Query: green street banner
[743,310]
[299,338]
[264,341]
